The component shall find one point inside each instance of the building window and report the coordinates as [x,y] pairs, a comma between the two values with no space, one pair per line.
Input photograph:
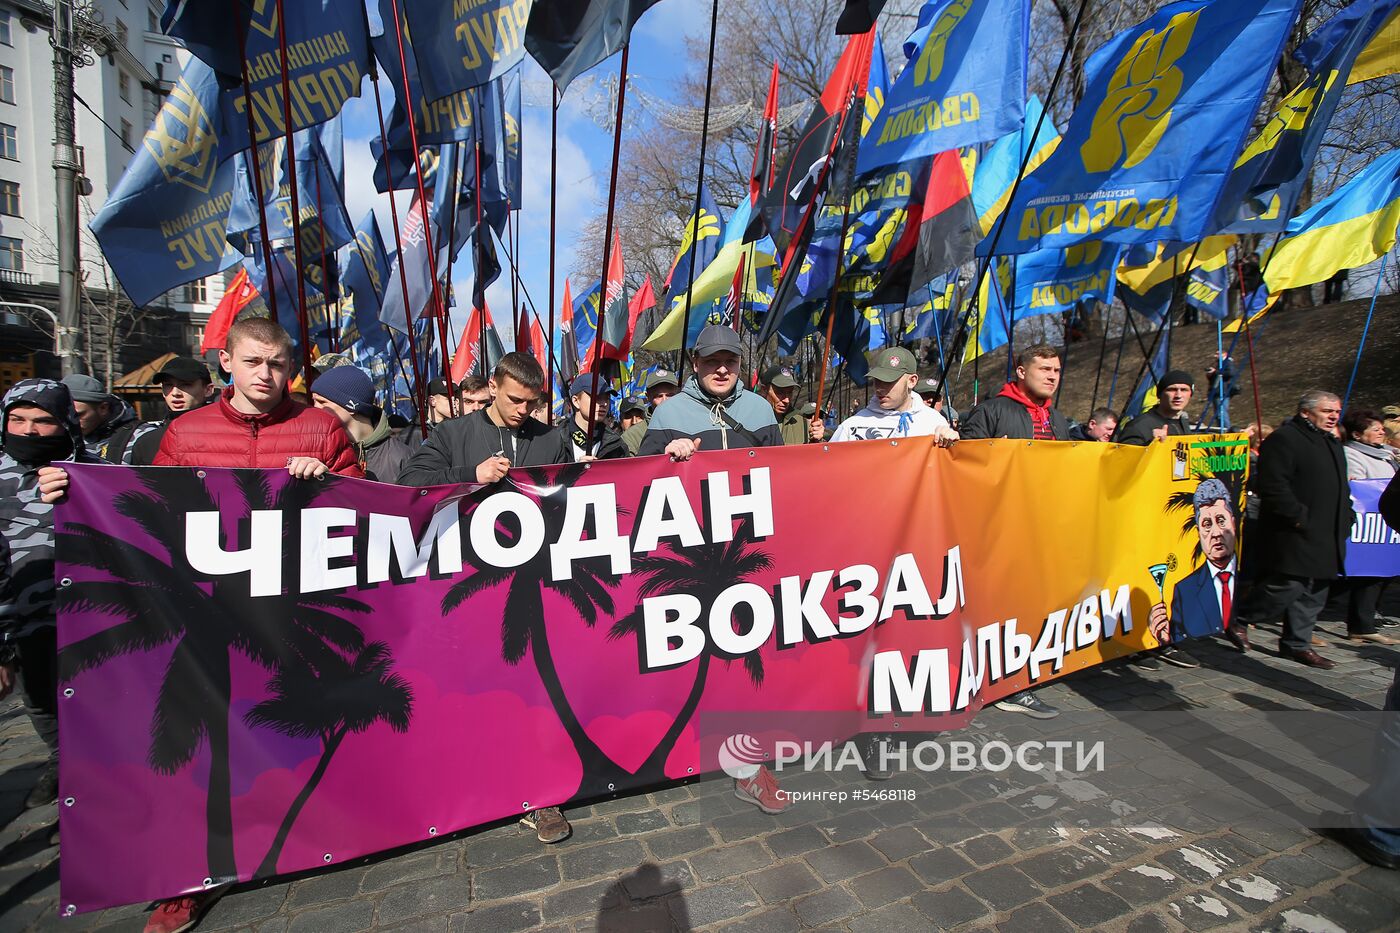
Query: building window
[5,28]
[9,198]
[124,86]
[9,142]
[121,33]
[196,293]
[7,84]
[11,254]
[126,133]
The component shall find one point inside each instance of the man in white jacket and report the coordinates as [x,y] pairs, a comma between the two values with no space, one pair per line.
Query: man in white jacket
[895,409]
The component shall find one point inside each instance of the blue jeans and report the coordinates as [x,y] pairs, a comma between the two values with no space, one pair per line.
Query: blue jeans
[1379,805]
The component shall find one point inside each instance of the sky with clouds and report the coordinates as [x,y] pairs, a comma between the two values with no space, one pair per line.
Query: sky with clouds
[658,57]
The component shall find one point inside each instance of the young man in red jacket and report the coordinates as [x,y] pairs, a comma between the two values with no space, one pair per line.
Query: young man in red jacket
[254,422]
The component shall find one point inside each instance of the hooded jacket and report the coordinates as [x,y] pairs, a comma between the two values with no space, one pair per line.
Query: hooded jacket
[26,523]
[694,413]
[1005,416]
[382,456]
[875,423]
[97,442]
[219,435]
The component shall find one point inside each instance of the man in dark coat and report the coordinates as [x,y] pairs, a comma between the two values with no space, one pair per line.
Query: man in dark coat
[1304,518]
[1023,407]
[1165,419]
[605,443]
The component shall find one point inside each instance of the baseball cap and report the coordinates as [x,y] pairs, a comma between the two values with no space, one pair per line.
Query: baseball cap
[662,377]
[632,403]
[347,386]
[438,387]
[809,409]
[85,388]
[927,385]
[716,338]
[583,382]
[183,369]
[889,364]
[778,376]
[1174,378]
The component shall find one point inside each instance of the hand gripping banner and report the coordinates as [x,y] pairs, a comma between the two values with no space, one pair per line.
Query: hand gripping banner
[262,675]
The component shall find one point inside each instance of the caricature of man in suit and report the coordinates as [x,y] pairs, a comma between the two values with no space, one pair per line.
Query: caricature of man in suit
[1202,600]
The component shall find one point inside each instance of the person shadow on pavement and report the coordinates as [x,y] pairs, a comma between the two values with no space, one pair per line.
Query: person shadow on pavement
[644,901]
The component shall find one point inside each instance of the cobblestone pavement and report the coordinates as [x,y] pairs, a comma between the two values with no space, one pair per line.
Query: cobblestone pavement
[1122,849]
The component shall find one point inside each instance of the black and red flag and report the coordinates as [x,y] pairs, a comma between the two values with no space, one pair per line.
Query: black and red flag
[761,175]
[791,204]
[858,16]
[939,233]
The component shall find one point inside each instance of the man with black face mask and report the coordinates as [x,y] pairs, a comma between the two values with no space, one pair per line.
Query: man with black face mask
[40,429]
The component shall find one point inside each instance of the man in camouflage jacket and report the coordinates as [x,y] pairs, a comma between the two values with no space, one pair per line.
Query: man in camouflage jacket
[40,430]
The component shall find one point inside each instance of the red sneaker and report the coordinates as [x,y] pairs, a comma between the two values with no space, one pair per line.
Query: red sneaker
[762,791]
[181,913]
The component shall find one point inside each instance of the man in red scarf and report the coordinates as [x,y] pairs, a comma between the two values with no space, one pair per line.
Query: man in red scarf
[1022,410]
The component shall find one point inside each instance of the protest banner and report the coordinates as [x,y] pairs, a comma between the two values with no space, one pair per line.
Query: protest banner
[1373,548]
[262,675]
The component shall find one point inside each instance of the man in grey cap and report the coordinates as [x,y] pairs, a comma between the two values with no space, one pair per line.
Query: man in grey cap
[661,384]
[713,410]
[185,384]
[779,389]
[100,413]
[1167,417]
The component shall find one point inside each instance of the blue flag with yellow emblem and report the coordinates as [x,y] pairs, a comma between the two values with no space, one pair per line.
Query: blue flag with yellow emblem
[965,82]
[1053,281]
[460,45]
[164,223]
[1162,120]
[1263,189]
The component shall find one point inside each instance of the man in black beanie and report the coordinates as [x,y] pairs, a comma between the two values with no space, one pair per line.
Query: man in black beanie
[1167,417]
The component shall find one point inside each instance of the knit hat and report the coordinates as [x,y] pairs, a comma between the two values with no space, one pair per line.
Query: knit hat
[85,388]
[347,386]
[1177,377]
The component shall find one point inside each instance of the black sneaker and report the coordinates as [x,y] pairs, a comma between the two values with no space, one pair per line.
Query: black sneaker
[1387,621]
[1178,658]
[1145,661]
[872,760]
[1027,702]
[45,791]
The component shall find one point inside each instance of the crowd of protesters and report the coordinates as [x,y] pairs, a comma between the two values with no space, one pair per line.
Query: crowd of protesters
[1298,512]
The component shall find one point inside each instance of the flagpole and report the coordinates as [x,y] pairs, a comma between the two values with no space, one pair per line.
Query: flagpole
[256,166]
[1248,338]
[1118,360]
[553,199]
[1064,355]
[608,235]
[477,234]
[834,300]
[1375,293]
[1219,376]
[419,389]
[982,267]
[514,271]
[699,184]
[438,302]
[332,320]
[307,373]
[454,190]
[1103,350]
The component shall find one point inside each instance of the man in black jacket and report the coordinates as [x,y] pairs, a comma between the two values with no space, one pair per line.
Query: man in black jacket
[1304,518]
[1023,407]
[185,384]
[1023,410]
[482,446]
[605,444]
[1165,419]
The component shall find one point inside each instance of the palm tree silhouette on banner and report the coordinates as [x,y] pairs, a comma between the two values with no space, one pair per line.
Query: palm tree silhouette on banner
[345,697]
[703,572]
[160,599]
[522,619]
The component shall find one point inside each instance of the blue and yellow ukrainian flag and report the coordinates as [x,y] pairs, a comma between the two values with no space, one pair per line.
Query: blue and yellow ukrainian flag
[1351,227]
